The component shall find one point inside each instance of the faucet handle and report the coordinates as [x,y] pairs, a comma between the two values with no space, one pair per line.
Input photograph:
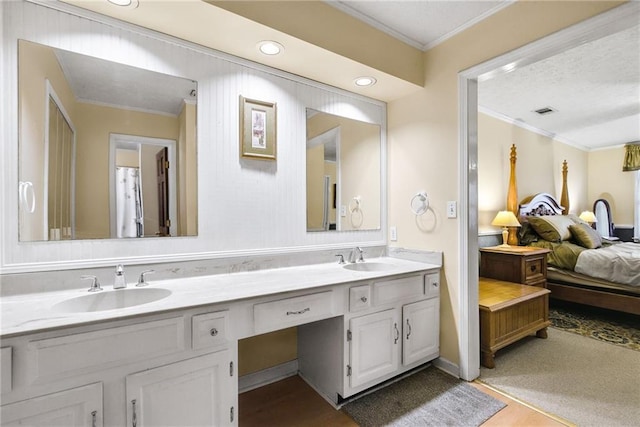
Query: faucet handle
[119,269]
[340,259]
[95,284]
[361,258]
[141,279]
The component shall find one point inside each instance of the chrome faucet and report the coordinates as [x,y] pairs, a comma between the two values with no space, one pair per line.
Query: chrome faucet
[120,282]
[95,283]
[356,255]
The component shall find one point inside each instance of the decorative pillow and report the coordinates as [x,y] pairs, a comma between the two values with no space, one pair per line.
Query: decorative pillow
[553,228]
[585,236]
[526,234]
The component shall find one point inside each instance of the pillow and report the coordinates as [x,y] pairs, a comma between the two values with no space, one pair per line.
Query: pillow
[585,236]
[553,228]
[526,234]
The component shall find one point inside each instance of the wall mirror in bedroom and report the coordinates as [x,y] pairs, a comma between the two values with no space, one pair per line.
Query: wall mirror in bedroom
[343,173]
[106,150]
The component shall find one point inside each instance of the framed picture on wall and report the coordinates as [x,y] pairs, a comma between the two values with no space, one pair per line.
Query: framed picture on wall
[257,129]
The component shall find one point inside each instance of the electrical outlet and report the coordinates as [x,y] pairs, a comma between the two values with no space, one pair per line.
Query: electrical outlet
[343,211]
[393,233]
[452,209]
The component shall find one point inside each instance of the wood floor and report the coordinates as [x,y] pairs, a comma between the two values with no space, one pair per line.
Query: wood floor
[291,402]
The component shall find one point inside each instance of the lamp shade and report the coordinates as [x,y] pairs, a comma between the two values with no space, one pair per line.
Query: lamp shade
[505,219]
[588,216]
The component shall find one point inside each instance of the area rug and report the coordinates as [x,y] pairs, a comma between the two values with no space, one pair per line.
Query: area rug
[585,381]
[605,325]
[427,398]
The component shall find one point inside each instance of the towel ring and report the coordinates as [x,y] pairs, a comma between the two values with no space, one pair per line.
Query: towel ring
[420,203]
[354,204]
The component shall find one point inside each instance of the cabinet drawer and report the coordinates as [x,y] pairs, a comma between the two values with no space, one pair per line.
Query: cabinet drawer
[432,285]
[6,369]
[359,298]
[51,359]
[209,330]
[274,315]
[390,291]
[534,270]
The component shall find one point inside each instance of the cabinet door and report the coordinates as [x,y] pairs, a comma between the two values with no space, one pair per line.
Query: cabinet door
[374,346]
[194,392]
[76,407]
[420,330]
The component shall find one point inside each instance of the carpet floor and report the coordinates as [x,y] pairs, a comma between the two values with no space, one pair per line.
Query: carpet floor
[585,381]
[605,325]
[427,398]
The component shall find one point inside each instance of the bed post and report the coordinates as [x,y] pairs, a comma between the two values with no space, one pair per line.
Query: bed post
[512,196]
[564,195]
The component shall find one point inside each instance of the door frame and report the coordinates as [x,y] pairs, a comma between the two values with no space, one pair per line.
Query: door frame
[133,142]
[602,25]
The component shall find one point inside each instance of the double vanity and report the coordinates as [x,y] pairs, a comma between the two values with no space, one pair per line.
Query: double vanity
[166,353]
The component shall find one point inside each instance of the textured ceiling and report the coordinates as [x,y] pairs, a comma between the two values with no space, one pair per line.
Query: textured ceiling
[421,24]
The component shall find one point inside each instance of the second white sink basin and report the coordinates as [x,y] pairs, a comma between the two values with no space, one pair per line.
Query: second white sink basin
[112,300]
[369,266]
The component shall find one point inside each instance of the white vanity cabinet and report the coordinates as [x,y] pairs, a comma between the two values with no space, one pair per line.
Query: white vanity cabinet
[77,407]
[193,392]
[172,369]
[392,326]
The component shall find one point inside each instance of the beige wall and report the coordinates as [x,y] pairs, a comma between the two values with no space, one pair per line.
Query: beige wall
[538,168]
[423,135]
[187,172]
[607,181]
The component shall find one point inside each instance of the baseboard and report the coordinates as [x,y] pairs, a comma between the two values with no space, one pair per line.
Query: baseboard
[447,366]
[267,376]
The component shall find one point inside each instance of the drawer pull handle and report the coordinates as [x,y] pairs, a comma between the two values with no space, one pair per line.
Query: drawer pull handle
[134,417]
[363,299]
[213,332]
[395,326]
[409,329]
[298,312]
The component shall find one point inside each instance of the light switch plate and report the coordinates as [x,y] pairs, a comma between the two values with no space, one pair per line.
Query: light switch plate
[343,211]
[452,209]
[393,233]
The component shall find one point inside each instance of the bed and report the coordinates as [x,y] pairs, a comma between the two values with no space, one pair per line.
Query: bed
[582,267]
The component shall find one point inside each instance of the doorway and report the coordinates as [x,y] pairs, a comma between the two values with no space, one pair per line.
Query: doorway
[597,27]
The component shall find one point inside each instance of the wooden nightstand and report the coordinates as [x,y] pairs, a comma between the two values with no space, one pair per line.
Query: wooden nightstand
[518,264]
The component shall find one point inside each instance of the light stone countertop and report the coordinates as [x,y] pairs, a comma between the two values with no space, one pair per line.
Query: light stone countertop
[29,313]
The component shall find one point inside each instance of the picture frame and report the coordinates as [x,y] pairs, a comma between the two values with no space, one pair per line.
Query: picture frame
[258,137]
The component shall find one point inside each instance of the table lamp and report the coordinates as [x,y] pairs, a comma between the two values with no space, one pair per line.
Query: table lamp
[588,216]
[505,219]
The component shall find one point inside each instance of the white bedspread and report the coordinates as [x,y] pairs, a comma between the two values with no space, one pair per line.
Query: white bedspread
[618,263]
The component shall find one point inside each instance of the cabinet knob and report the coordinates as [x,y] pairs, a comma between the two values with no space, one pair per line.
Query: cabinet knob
[213,332]
[363,299]
[534,268]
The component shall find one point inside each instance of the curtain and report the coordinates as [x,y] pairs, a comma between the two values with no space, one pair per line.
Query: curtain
[128,202]
[631,157]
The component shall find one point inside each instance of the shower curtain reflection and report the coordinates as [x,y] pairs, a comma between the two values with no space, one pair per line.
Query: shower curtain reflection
[129,210]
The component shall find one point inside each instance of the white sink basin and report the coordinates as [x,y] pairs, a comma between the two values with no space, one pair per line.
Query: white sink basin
[112,300]
[369,266]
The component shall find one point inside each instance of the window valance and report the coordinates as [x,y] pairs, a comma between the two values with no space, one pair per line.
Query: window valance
[631,157]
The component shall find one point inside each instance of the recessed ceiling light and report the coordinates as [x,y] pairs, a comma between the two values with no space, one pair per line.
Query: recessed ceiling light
[269,47]
[131,4]
[365,81]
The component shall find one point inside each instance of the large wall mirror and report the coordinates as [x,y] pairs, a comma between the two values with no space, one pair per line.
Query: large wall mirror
[343,173]
[106,150]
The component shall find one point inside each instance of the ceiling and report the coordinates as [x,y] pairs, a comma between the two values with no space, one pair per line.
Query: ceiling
[594,89]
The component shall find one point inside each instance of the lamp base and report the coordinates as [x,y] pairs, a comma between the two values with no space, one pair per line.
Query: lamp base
[505,237]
